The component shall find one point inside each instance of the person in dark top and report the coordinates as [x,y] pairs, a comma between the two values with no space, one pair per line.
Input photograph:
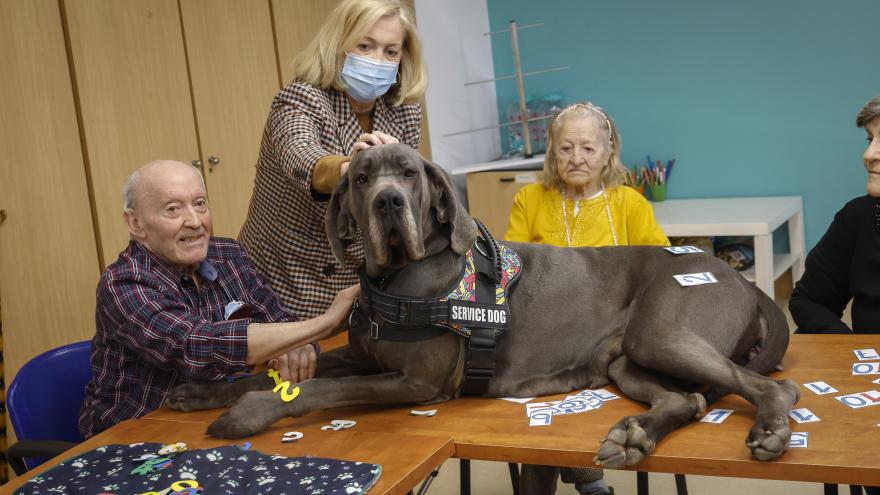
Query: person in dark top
[845,264]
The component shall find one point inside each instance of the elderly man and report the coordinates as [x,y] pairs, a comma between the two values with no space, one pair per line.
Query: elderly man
[179,305]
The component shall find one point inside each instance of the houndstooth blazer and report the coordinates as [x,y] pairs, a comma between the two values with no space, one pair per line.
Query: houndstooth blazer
[284,229]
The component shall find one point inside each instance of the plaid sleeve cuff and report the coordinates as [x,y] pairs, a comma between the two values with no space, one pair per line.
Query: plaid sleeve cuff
[230,345]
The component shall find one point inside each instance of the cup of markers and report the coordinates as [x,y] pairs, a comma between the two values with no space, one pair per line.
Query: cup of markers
[655,176]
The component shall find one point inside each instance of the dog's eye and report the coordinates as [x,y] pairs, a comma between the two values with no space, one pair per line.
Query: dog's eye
[410,173]
[361,179]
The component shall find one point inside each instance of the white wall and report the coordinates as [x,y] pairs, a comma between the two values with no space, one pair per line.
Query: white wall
[457,52]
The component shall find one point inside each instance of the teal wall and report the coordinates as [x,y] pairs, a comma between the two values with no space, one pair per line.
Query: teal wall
[753,97]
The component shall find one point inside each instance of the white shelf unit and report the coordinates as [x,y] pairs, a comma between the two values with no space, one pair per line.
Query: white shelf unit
[753,217]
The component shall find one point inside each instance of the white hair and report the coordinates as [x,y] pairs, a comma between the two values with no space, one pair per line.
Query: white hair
[130,188]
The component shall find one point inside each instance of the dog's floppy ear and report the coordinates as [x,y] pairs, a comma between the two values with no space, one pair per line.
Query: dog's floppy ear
[339,223]
[447,208]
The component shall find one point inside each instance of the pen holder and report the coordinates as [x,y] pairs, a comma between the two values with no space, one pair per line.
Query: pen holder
[658,192]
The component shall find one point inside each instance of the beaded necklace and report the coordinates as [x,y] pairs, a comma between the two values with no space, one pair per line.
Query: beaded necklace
[607,211]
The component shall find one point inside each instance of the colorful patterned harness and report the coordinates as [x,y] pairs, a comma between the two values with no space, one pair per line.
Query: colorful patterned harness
[466,289]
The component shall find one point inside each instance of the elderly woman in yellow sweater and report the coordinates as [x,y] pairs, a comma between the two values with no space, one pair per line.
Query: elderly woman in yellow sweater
[581,202]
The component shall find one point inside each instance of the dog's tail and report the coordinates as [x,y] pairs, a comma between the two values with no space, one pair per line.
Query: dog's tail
[766,356]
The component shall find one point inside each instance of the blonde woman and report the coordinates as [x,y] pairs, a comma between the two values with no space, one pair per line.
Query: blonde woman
[355,85]
[581,202]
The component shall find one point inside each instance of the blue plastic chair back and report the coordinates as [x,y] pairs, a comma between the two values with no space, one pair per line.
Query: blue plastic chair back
[45,397]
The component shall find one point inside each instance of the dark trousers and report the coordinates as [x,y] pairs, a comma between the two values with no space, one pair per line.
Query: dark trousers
[535,479]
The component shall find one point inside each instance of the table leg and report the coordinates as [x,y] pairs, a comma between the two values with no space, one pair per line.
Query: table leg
[796,244]
[764,263]
[642,483]
[464,470]
[681,487]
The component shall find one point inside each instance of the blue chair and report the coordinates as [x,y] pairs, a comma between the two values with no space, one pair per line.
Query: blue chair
[43,403]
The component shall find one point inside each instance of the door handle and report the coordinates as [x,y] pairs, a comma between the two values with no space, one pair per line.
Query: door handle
[196,163]
[213,161]
[2,216]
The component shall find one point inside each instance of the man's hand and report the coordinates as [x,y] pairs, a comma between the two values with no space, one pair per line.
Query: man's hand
[339,310]
[297,365]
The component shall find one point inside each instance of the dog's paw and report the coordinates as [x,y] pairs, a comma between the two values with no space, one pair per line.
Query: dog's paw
[699,402]
[625,445]
[769,439]
[252,413]
[194,397]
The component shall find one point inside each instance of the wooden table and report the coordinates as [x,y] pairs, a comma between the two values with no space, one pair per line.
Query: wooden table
[405,459]
[843,447]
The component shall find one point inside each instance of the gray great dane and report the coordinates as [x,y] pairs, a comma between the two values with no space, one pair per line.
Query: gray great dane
[581,317]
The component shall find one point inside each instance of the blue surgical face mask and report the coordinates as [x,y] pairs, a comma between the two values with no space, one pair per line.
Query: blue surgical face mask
[368,79]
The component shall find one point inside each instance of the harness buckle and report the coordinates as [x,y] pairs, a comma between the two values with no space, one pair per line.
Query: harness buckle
[374,330]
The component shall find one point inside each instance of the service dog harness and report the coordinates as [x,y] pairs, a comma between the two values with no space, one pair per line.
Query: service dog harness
[475,307]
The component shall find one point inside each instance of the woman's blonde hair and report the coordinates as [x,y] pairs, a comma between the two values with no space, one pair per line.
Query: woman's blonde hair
[612,173]
[320,64]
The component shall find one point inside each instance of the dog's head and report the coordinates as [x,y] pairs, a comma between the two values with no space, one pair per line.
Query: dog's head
[403,204]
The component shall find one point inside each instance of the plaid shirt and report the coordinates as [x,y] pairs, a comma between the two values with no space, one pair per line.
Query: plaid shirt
[156,329]
[284,230]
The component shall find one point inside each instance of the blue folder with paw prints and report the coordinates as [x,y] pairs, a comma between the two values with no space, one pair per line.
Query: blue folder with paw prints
[228,470]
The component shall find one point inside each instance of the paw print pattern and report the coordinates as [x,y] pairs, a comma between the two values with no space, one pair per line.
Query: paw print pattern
[354,488]
[57,489]
[232,483]
[214,455]
[324,467]
[260,468]
[307,480]
[108,488]
[187,473]
[79,463]
[293,465]
[115,460]
[262,480]
[344,476]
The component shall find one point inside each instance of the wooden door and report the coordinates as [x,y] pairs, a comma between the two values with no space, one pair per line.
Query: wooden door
[48,257]
[297,22]
[234,76]
[133,86]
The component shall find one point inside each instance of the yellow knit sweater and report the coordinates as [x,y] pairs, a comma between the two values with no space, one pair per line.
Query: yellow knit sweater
[537,215]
